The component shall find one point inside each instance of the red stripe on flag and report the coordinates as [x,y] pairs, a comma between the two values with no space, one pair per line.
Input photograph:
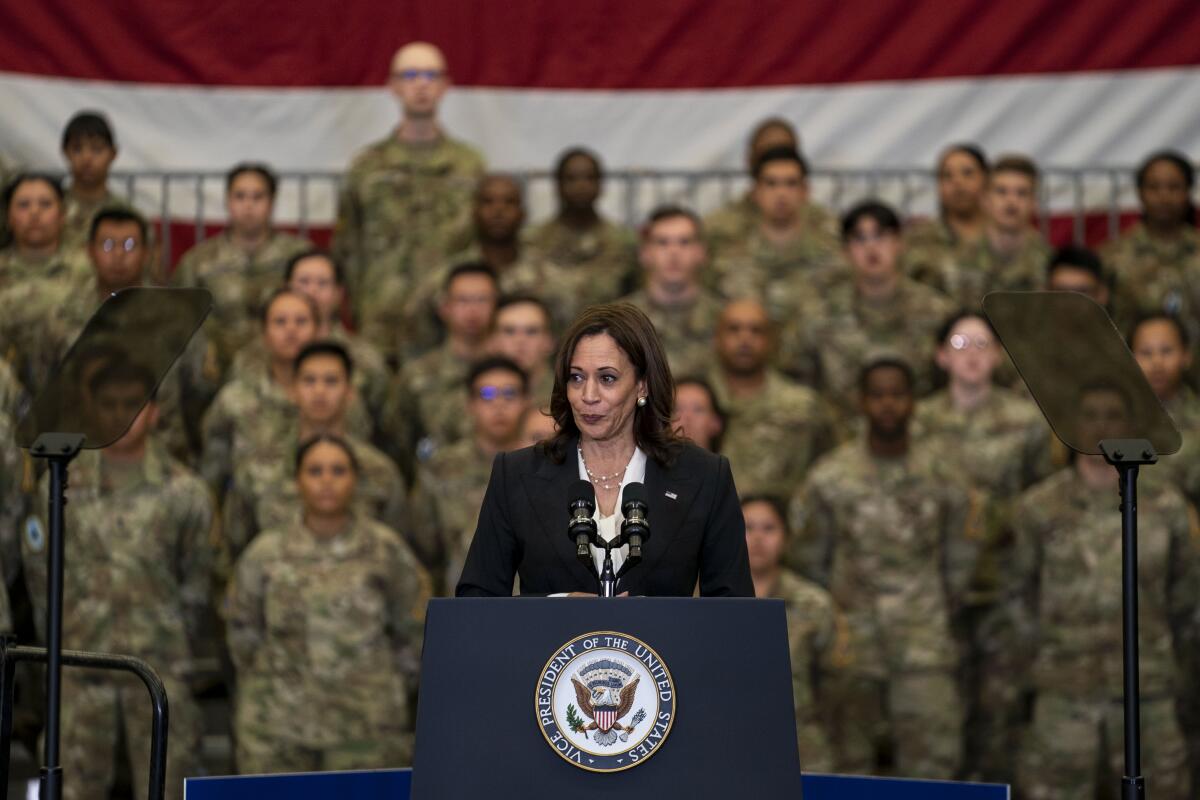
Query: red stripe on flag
[591,44]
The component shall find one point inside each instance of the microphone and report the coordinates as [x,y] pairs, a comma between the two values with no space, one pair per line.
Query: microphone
[582,528]
[635,529]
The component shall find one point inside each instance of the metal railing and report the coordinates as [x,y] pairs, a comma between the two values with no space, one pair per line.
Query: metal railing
[308,200]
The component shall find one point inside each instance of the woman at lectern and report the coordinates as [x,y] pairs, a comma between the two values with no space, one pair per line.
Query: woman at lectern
[325,619]
[612,403]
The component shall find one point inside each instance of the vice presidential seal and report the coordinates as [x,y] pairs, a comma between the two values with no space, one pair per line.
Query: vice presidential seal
[605,701]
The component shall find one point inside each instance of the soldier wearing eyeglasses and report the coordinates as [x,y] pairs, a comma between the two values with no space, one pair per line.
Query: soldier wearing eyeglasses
[455,478]
[409,195]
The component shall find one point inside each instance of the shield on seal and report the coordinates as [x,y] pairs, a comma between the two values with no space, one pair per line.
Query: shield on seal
[606,717]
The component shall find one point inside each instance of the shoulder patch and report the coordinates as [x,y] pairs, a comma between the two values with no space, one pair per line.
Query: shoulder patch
[34,535]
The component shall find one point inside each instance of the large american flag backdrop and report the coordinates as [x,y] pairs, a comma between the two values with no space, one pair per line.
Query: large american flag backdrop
[668,84]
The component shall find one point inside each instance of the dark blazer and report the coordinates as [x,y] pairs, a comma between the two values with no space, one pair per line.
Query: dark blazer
[522,530]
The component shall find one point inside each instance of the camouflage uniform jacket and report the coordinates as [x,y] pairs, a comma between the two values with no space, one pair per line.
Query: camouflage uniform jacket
[605,254]
[69,263]
[826,343]
[1153,275]
[779,276]
[453,482]
[896,542]
[1000,447]
[1183,468]
[240,282]
[139,558]
[246,411]
[15,495]
[1067,584]
[264,494]
[773,438]
[735,221]
[686,332]
[325,633]
[971,271]
[428,405]
[401,201]
[817,638]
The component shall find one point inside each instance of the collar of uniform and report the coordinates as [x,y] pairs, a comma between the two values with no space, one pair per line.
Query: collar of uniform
[87,471]
[346,542]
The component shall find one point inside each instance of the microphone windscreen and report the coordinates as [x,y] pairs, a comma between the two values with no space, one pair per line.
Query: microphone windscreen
[634,493]
[583,491]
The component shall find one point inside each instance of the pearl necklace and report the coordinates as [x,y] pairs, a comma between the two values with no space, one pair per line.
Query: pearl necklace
[605,481]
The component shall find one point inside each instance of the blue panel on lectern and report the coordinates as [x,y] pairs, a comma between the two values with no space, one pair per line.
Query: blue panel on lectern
[393,784]
[383,784]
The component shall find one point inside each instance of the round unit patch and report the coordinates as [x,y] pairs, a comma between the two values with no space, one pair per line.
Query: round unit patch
[605,701]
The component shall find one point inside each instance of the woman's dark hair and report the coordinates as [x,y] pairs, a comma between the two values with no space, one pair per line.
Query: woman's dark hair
[777,505]
[560,166]
[33,177]
[339,272]
[969,149]
[283,291]
[1180,162]
[634,333]
[325,438]
[943,331]
[1160,316]
[254,168]
[706,387]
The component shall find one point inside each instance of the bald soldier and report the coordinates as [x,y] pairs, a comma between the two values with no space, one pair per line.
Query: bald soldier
[406,199]
[684,311]
[498,215]
[785,244]
[876,310]
[775,428]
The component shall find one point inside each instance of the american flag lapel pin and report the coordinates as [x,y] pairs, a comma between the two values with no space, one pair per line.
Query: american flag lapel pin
[672,495]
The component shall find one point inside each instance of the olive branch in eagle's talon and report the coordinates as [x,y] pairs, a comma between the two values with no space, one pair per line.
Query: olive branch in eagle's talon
[575,721]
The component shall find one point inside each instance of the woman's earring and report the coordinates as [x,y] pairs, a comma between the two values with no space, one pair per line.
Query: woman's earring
[641,402]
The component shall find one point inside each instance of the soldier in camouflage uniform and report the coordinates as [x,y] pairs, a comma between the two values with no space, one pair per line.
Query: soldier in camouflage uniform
[785,253]
[996,440]
[683,310]
[828,338]
[1010,256]
[1067,610]
[324,626]
[41,317]
[895,539]
[427,407]
[34,204]
[962,178]
[775,429]
[521,330]
[1156,263]
[735,221]
[89,147]
[242,265]
[263,491]
[258,406]
[698,415]
[401,318]
[406,199]
[138,567]
[453,481]
[816,632]
[579,239]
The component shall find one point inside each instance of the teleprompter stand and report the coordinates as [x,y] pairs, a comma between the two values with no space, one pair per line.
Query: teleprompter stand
[141,331]
[1098,402]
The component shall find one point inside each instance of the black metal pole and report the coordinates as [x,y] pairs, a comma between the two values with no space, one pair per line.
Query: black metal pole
[608,581]
[51,775]
[1133,785]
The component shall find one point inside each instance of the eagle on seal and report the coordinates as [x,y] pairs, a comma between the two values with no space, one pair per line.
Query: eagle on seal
[605,698]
